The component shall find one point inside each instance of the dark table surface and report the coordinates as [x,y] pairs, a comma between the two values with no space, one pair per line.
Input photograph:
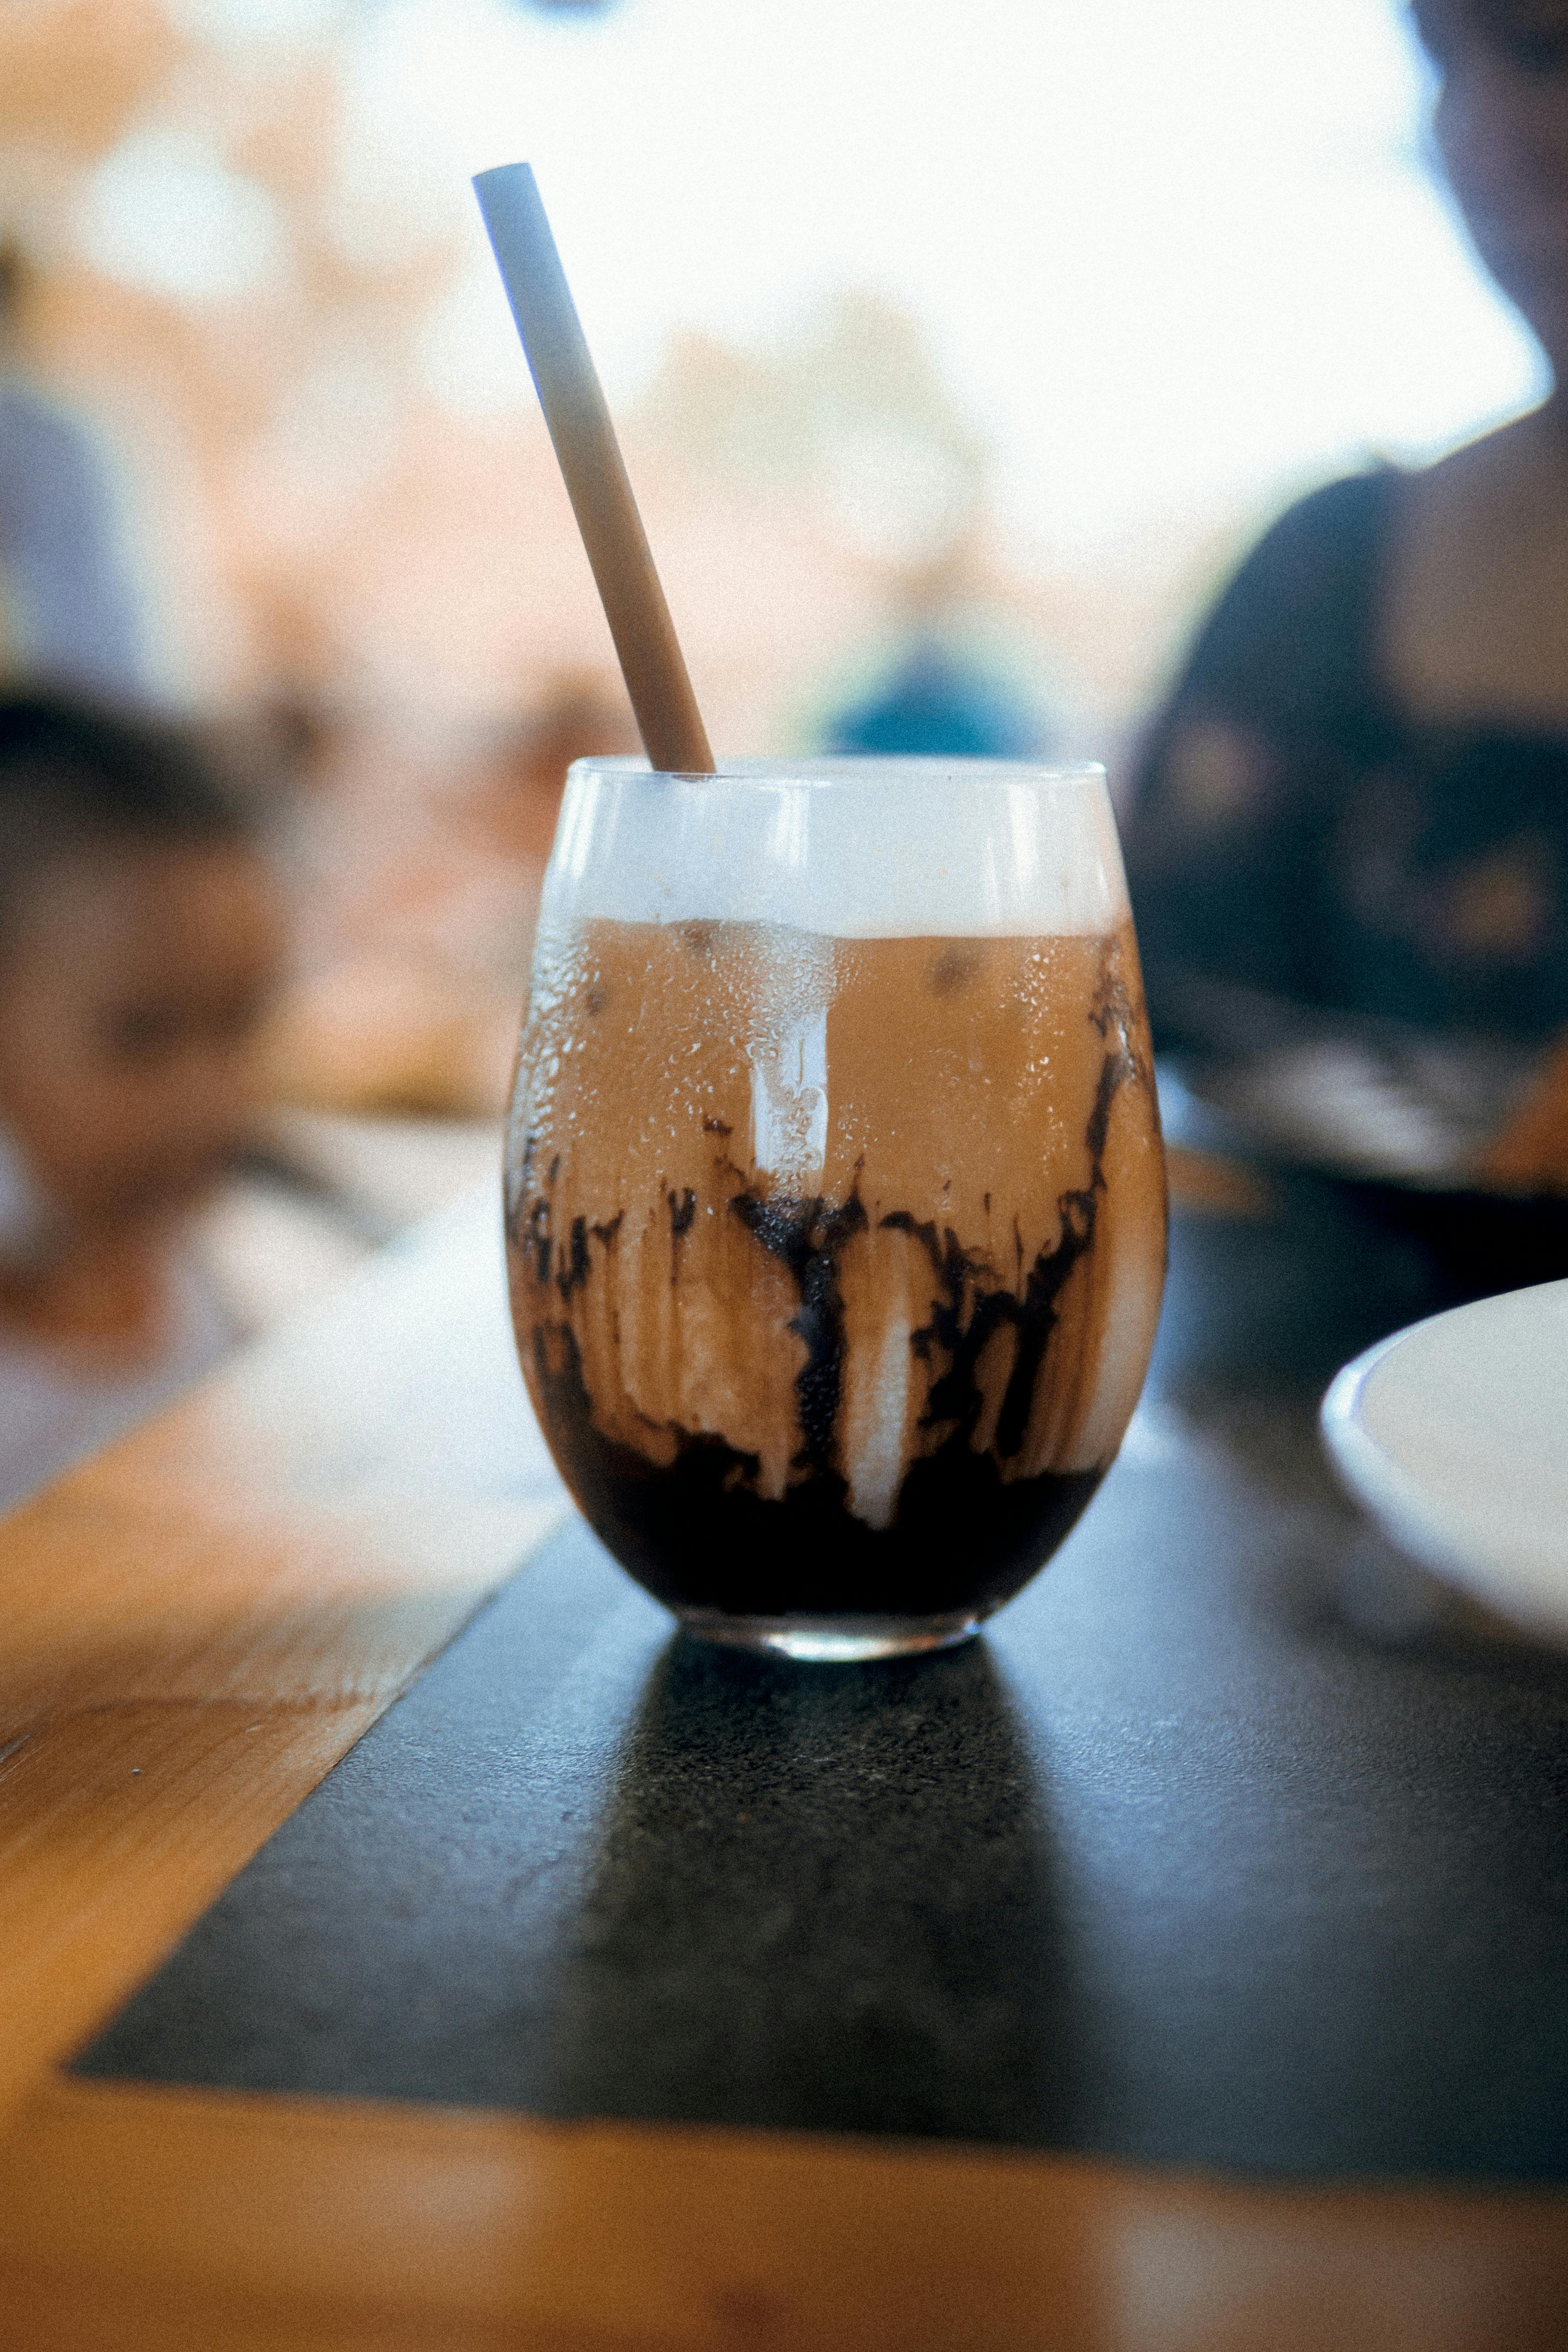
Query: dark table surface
[1222,1845]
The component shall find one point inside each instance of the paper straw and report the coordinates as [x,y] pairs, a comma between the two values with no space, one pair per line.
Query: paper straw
[590,459]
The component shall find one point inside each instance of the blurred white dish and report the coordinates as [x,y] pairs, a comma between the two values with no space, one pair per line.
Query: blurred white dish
[1455,1435]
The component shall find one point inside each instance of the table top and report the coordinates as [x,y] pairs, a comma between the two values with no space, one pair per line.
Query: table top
[1182,1964]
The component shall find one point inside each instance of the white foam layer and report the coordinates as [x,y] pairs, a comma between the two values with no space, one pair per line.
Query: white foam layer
[855,849]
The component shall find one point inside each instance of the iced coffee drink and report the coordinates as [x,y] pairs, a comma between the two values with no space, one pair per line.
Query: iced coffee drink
[835,1204]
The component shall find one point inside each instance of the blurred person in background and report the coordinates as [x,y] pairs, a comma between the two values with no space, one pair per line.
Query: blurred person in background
[410,1000]
[1356,800]
[512,813]
[68,612]
[140,940]
[937,704]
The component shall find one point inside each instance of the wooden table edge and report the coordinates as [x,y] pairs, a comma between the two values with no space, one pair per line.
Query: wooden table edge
[273,2219]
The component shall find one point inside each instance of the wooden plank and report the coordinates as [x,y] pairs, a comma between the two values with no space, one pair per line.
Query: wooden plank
[133,2217]
[201,1620]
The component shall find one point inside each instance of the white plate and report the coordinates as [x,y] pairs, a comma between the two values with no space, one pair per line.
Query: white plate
[1455,1435]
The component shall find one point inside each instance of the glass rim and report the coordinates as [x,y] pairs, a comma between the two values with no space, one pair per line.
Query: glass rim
[851,767]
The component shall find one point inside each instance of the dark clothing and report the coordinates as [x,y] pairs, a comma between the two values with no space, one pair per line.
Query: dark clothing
[1295,833]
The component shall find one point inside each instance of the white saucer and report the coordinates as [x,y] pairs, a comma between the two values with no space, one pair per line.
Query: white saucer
[1455,1435]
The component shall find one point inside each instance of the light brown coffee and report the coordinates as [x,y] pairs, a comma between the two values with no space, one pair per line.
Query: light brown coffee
[835,1263]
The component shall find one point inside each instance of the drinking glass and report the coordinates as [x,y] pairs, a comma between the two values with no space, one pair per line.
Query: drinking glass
[834,1195]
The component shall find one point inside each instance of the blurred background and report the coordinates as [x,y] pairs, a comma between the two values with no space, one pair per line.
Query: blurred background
[957,355]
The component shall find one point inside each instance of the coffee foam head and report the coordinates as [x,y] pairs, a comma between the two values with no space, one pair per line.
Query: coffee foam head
[855,849]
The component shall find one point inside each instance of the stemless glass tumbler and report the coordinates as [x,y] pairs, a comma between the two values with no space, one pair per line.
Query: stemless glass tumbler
[835,1196]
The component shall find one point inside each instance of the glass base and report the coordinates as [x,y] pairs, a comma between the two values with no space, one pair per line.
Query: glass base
[832,1641]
